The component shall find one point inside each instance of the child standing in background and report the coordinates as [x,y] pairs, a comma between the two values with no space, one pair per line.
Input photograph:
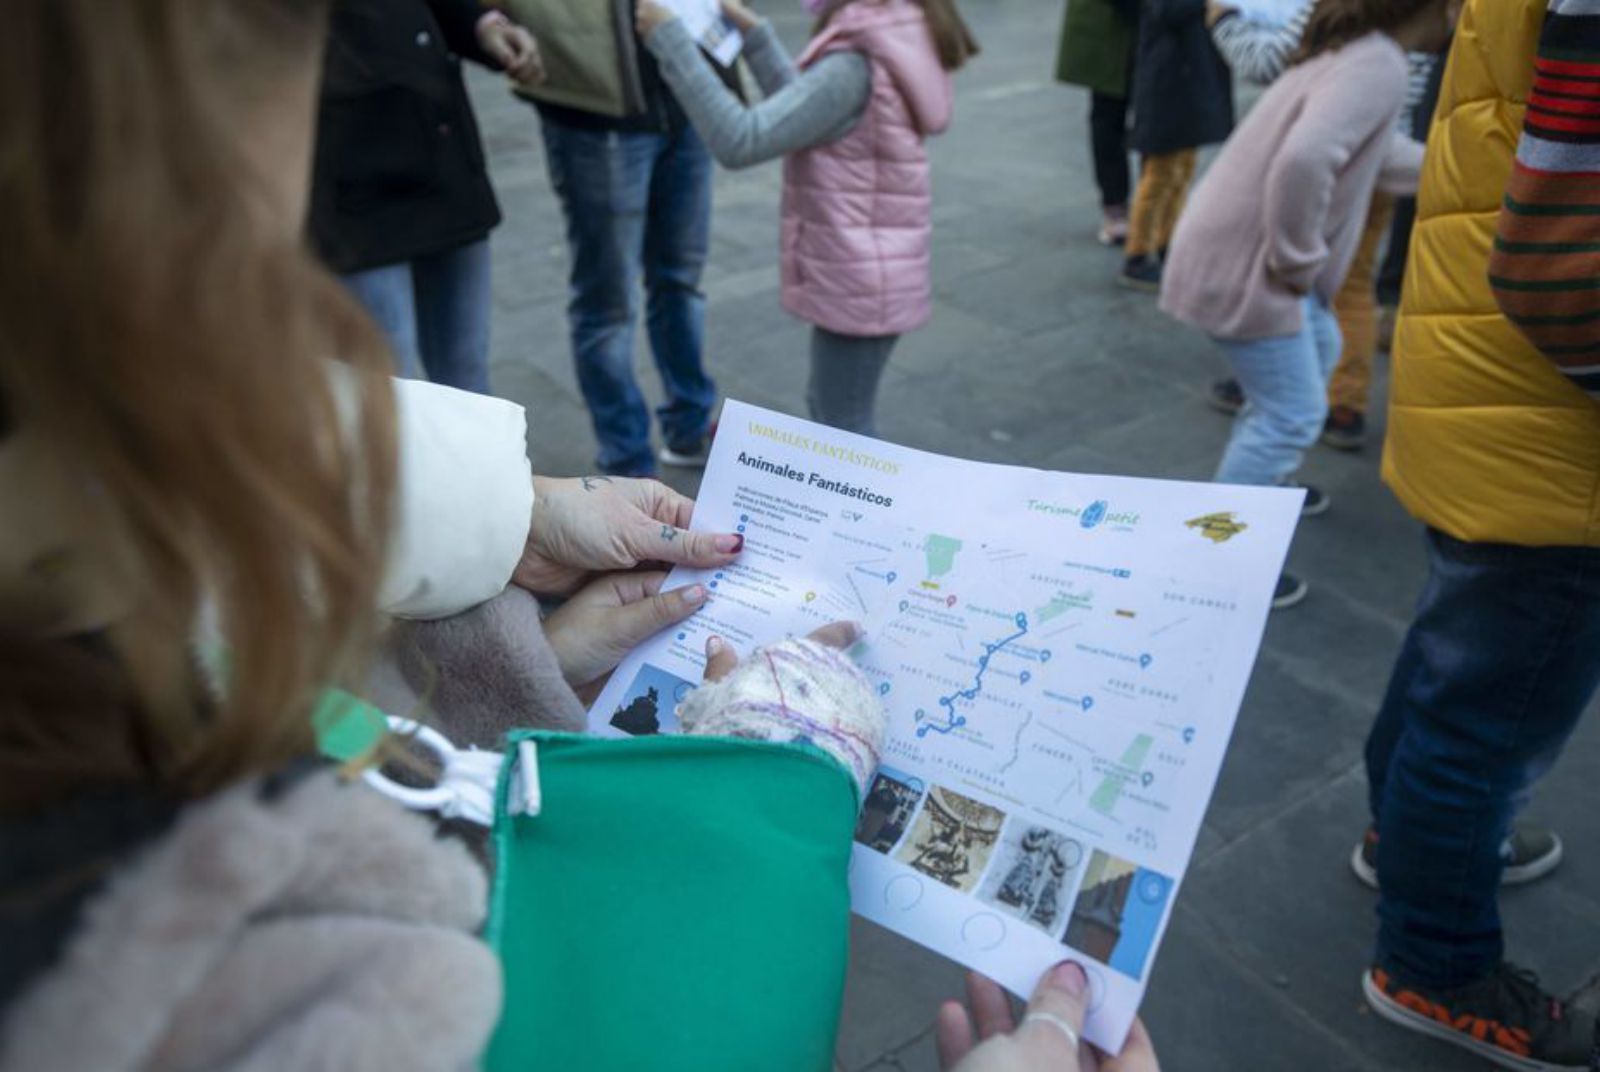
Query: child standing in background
[1096,52]
[1182,100]
[1258,49]
[851,118]
[1261,253]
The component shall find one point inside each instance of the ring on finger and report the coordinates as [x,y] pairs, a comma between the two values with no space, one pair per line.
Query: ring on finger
[1056,1022]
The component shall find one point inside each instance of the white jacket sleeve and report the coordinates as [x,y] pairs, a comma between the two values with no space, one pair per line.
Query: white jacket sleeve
[464,498]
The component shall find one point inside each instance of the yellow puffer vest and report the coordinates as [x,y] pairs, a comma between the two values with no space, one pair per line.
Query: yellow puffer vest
[1487,441]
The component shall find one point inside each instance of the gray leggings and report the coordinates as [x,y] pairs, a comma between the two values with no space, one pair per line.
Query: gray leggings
[845,370]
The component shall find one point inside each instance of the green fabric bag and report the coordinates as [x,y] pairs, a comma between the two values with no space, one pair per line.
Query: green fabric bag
[669,903]
[678,903]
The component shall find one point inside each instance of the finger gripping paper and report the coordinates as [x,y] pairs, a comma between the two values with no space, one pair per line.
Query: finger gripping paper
[679,903]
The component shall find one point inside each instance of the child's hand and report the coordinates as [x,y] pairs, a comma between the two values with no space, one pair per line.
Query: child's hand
[797,690]
[1285,284]
[741,16]
[648,16]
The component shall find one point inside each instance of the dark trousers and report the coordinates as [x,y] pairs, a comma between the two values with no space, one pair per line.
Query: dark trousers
[1393,271]
[1497,667]
[1108,137]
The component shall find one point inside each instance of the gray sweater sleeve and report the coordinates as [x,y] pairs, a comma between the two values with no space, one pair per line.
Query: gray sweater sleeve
[769,61]
[811,107]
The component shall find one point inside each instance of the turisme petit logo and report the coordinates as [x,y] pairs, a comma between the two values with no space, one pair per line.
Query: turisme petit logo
[1219,527]
[1093,516]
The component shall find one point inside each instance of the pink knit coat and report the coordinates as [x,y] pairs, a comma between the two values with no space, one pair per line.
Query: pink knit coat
[856,212]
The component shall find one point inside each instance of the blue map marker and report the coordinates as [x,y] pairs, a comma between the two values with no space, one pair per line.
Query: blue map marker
[1044,656]
[1145,661]
[1188,735]
[1025,677]
[1146,778]
[883,690]
[904,605]
[891,576]
[1088,703]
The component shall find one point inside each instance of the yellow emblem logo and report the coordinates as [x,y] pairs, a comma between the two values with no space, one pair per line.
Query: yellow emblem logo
[1219,527]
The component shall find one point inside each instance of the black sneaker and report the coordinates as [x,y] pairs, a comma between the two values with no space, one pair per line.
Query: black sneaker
[1227,397]
[1291,590]
[690,455]
[1345,429]
[1505,1018]
[1141,273]
[1529,852]
[1317,501]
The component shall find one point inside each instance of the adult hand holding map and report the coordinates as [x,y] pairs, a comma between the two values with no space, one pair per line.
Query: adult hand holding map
[1062,657]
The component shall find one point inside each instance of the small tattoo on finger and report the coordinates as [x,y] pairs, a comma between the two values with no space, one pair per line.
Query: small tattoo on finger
[669,533]
[592,483]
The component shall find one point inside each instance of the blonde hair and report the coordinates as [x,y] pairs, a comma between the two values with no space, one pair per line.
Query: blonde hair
[173,340]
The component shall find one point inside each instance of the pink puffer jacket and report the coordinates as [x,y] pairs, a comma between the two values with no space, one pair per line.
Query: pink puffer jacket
[856,211]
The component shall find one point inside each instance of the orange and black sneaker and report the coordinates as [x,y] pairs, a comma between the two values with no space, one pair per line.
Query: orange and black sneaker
[1505,1018]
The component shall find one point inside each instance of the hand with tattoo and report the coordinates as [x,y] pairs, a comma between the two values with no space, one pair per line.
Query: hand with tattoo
[603,524]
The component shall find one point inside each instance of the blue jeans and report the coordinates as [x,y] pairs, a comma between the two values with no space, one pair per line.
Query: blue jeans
[1285,381]
[1497,668]
[435,312]
[636,204]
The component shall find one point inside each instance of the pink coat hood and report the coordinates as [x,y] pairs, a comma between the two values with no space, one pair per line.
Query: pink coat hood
[895,35]
[857,211]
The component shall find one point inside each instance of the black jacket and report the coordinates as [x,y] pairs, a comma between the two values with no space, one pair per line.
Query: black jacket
[1182,88]
[399,166]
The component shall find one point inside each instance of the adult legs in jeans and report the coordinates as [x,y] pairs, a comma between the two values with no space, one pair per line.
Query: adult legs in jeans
[677,236]
[453,305]
[435,312]
[1356,306]
[1108,141]
[1285,379]
[606,184]
[1493,675]
[845,373]
[389,298]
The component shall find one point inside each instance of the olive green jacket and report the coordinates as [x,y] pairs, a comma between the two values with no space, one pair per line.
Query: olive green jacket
[1097,39]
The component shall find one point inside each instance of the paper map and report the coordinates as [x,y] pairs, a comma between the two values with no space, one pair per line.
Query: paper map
[709,27]
[1062,656]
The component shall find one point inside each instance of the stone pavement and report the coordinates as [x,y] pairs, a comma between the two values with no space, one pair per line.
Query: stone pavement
[1035,357]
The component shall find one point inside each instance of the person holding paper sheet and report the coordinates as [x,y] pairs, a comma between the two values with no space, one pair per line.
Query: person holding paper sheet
[850,118]
[202,448]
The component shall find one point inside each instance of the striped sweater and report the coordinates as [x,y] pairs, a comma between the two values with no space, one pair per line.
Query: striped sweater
[1258,49]
[1545,269]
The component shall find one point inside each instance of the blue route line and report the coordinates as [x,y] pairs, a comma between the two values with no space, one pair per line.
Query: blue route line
[954,721]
